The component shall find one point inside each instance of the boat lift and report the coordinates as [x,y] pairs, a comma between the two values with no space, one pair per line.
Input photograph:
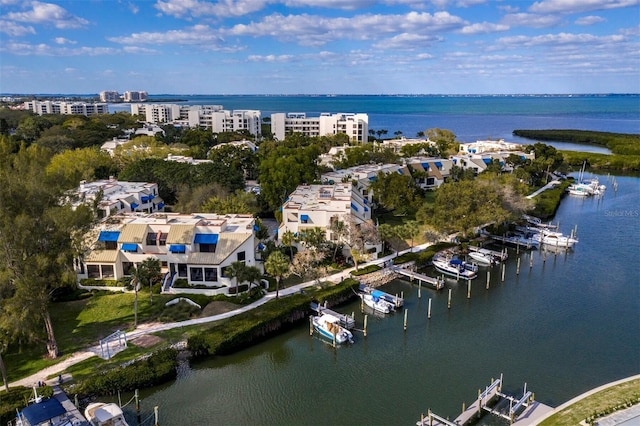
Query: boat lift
[346,321]
[397,301]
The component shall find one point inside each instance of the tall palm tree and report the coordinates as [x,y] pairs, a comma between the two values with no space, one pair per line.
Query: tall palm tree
[411,229]
[288,239]
[277,265]
[242,273]
[146,272]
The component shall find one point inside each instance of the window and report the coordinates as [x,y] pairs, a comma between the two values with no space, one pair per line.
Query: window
[111,245]
[93,271]
[107,271]
[195,274]
[211,274]
[431,181]
[242,256]
[127,268]
[162,240]
[151,238]
[182,270]
[207,248]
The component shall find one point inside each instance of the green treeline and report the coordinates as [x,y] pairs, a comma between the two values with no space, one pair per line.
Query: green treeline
[625,147]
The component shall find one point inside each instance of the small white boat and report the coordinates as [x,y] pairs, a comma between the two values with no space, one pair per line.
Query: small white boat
[481,258]
[456,268]
[105,414]
[329,327]
[376,303]
[555,239]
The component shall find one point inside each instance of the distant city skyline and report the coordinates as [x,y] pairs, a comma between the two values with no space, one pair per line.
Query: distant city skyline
[238,47]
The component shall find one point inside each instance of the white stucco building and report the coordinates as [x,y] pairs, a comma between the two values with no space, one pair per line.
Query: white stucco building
[119,197]
[66,108]
[356,126]
[317,206]
[196,248]
[486,146]
[212,117]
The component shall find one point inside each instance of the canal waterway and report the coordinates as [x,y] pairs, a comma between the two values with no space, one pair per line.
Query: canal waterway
[563,326]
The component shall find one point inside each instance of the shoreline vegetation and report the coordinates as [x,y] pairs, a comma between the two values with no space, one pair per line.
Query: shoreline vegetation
[625,147]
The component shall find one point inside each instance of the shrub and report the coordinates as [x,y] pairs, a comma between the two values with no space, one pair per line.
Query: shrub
[366,270]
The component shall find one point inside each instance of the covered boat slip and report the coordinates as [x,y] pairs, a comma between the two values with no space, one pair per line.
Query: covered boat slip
[397,301]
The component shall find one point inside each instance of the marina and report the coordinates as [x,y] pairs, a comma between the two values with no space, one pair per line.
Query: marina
[398,302]
[345,320]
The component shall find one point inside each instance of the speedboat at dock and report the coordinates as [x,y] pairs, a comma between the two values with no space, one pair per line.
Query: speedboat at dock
[105,414]
[375,302]
[329,327]
[456,267]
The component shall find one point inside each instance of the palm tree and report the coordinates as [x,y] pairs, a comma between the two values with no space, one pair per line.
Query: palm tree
[242,273]
[411,229]
[146,272]
[288,239]
[277,265]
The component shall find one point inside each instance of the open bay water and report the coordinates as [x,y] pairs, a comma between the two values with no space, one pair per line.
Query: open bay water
[470,118]
[563,326]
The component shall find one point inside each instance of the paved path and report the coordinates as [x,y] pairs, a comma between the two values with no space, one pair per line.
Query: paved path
[544,188]
[151,328]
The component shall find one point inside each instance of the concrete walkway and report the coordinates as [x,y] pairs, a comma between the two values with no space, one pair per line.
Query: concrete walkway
[544,188]
[144,329]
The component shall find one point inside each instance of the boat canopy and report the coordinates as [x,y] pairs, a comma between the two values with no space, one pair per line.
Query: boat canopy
[377,294]
[43,411]
[456,262]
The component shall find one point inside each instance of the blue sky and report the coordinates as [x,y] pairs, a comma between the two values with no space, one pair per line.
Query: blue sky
[320,46]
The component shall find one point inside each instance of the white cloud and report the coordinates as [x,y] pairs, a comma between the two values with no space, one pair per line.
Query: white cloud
[69,70]
[531,20]
[195,8]
[423,56]
[589,20]
[561,39]
[483,28]
[62,40]
[42,49]
[406,41]
[331,4]
[139,50]
[270,58]
[15,30]
[133,8]
[48,13]
[201,35]
[314,30]
[577,6]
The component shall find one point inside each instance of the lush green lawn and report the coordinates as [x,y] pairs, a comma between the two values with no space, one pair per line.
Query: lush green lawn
[596,403]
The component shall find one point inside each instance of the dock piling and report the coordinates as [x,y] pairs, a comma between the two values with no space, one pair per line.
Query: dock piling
[405,319]
[429,310]
[419,289]
[366,317]
[530,260]
[504,267]
[518,267]
[469,289]
[488,278]
[449,300]
[310,325]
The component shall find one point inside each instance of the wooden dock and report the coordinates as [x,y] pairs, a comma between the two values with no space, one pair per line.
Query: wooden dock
[516,410]
[397,301]
[437,283]
[346,321]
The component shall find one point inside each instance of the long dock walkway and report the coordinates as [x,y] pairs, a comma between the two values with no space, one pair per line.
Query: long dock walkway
[437,283]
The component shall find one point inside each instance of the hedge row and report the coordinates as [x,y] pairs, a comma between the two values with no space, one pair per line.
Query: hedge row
[158,368]
[256,325]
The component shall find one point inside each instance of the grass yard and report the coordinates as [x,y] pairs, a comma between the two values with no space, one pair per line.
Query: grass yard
[599,402]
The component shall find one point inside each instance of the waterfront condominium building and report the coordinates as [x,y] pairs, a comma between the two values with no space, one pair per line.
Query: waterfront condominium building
[118,197]
[110,96]
[318,206]
[67,108]
[193,248]
[212,117]
[134,96]
[356,126]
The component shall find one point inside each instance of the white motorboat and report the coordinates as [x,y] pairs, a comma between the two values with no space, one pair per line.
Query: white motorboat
[482,259]
[555,239]
[105,414]
[375,302]
[329,326]
[456,267]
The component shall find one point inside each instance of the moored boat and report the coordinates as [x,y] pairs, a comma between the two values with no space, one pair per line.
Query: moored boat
[375,302]
[105,414]
[329,326]
[456,267]
[481,258]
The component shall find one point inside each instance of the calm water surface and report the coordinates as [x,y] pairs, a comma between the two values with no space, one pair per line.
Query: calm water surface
[565,326]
